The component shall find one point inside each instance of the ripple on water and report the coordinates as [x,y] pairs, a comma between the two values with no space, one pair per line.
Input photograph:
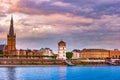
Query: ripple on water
[60,73]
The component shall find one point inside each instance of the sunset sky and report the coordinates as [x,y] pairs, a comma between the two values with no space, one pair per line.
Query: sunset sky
[80,23]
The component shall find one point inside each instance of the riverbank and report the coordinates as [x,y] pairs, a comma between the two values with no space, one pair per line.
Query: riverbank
[38,65]
[29,65]
[39,62]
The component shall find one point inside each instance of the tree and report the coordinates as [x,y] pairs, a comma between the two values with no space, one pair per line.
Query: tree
[1,52]
[29,50]
[54,57]
[69,55]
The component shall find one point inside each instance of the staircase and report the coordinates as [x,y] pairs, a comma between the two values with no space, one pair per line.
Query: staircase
[68,63]
[111,62]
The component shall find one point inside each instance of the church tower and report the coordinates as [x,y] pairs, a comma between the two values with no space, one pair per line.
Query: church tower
[11,37]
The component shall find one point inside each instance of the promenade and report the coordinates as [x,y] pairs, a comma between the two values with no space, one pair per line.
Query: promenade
[29,61]
[41,61]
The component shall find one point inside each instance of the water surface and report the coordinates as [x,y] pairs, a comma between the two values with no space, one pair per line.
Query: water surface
[60,73]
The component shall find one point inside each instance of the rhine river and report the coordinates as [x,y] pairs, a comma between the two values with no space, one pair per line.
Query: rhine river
[60,73]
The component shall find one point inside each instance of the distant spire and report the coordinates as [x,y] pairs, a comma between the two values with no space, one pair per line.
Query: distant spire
[11,30]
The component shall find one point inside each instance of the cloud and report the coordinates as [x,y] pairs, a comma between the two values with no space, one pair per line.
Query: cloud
[87,8]
[81,23]
[59,3]
[2,31]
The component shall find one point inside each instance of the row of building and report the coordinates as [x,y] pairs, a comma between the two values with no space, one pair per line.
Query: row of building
[77,54]
[96,53]
[10,48]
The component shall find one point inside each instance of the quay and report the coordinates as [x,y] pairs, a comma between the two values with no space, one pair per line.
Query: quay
[41,61]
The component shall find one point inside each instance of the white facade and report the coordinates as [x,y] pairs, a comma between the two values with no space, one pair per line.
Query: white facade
[76,54]
[61,50]
[48,52]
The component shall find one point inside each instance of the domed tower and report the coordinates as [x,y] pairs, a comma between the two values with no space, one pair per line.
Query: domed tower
[62,50]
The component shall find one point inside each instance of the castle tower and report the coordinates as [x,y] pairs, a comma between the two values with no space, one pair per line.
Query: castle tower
[61,50]
[11,37]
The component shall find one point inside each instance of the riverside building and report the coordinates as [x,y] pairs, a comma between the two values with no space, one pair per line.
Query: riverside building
[11,38]
[62,50]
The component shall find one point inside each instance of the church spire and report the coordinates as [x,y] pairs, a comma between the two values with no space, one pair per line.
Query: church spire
[11,37]
[11,30]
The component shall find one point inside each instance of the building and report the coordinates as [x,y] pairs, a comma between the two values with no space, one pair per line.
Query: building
[11,38]
[3,48]
[35,53]
[22,52]
[115,54]
[62,50]
[48,52]
[95,53]
[76,54]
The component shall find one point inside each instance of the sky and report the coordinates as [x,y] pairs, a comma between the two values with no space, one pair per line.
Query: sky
[80,23]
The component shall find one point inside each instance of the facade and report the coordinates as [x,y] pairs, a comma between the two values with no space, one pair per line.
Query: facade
[35,52]
[95,53]
[76,54]
[11,38]
[115,54]
[48,52]
[22,52]
[62,50]
[3,48]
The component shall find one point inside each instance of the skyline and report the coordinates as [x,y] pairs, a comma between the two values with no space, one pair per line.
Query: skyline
[81,24]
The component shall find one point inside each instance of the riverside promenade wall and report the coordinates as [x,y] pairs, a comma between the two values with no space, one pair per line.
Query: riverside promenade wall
[29,61]
[39,61]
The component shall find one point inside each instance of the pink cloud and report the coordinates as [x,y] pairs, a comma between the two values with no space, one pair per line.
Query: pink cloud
[59,3]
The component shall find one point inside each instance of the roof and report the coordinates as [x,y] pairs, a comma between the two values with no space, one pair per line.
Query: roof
[94,50]
[2,47]
[61,42]
[11,30]
[76,50]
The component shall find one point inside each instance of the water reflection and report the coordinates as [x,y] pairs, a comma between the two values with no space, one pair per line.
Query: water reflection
[11,73]
[62,73]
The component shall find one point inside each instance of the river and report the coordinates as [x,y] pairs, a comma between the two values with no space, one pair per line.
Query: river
[60,73]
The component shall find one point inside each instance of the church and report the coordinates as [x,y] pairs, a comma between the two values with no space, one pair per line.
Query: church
[11,38]
[10,48]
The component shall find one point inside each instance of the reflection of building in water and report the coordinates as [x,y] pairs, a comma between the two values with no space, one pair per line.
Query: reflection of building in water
[11,73]
[62,73]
